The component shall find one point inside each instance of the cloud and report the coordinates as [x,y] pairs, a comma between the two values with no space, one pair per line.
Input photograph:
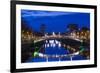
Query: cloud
[37,13]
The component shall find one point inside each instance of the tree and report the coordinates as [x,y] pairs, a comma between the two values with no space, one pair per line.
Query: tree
[72,27]
[84,29]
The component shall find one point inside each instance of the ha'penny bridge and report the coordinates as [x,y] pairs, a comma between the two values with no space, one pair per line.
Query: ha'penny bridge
[57,37]
[55,48]
[52,41]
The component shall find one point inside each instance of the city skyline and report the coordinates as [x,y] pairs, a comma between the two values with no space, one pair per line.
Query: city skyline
[53,20]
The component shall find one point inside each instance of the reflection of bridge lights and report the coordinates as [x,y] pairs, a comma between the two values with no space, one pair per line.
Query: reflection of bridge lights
[59,45]
[48,45]
[45,45]
[56,56]
[54,44]
[51,41]
[51,45]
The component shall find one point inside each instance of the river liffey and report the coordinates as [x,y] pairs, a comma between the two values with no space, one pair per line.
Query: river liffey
[54,50]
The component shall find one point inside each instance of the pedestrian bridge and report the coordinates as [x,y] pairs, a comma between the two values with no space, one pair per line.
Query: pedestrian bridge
[56,37]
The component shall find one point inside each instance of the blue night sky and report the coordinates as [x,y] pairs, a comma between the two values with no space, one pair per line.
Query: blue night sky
[55,21]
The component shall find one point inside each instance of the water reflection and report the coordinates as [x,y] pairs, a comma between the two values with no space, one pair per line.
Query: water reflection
[55,50]
[52,43]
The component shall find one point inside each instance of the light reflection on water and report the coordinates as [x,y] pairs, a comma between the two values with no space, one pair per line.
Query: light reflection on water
[54,51]
[54,48]
[52,43]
